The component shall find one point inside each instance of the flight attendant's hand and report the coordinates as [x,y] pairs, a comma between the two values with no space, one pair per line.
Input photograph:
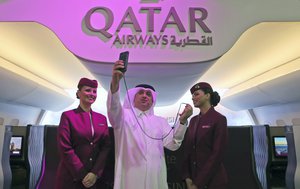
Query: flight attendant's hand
[187,112]
[89,180]
[190,184]
[117,75]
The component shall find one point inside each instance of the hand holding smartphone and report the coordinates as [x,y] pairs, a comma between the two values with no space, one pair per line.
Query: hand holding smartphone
[124,56]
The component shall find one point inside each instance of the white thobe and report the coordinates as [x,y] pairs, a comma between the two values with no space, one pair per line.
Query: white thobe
[140,160]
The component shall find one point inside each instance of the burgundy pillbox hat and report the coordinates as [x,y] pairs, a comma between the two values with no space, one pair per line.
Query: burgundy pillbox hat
[201,85]
[87,82]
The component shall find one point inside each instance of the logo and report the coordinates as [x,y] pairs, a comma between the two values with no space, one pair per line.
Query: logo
[129,31]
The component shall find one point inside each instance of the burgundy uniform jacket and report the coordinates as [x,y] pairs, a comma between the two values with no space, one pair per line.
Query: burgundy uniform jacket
[81,151]
[204,147]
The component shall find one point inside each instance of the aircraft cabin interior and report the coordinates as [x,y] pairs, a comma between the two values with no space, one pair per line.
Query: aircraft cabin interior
[248,51]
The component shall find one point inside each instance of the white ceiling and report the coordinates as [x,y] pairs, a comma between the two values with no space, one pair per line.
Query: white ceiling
[33,48]
[171,81]
[260,49]
[261,67]
[35,67]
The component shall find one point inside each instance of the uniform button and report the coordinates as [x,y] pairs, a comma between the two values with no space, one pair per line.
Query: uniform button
[194,146]
[91,159]
[194,163]
[91,143]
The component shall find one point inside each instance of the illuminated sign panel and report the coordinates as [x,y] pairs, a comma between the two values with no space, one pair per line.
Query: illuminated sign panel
[155,31]
[144,36]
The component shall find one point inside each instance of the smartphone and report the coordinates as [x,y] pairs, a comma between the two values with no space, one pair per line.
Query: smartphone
[124,56]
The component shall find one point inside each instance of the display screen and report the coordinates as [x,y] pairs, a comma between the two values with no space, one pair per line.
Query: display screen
[15,146]
[280,146]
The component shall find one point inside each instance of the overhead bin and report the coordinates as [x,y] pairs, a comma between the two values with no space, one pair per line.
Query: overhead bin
[22,87]
[277,86]
[36,68]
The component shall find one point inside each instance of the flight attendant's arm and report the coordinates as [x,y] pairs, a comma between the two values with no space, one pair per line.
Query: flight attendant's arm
[70,159]
[218,150]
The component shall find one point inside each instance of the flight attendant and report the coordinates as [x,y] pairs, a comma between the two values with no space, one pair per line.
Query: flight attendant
[205,142]
[83,142]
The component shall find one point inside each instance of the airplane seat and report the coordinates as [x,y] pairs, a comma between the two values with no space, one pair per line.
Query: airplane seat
[261,154]
[35,154]
[296,131]
[239,159]
[292,161]
[108,173]
[174,162]
[278,155]
[18,156]
[50,158]
[5,170]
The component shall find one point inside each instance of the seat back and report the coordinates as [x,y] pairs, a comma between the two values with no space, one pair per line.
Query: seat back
[35,154]
[292,161]
[239,159]
[50,158]
[5,170]
[18,160]
[296,129]
[261,154]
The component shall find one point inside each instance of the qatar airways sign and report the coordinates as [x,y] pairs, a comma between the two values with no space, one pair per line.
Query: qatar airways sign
[156,31]
[146,26]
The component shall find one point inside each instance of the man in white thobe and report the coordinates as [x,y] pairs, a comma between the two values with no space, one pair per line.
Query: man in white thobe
[140,136]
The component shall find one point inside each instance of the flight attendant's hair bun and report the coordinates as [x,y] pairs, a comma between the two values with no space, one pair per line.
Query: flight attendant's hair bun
[215,98]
